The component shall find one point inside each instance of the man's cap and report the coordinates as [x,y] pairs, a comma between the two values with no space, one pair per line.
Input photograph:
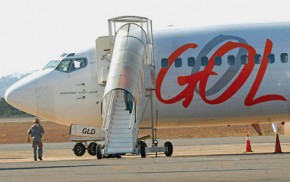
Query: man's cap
[36,120]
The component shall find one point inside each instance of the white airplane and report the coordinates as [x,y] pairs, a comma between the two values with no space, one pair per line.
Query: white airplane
[222,75]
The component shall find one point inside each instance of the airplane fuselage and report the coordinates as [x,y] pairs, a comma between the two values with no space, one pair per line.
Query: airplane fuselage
[220,75]
[227,74]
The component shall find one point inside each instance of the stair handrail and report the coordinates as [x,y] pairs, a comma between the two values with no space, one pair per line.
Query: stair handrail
[104,116]
[112,101]
[109,105]
[115,23]
[132,117]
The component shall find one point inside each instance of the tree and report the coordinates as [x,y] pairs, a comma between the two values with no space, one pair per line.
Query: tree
[8,111]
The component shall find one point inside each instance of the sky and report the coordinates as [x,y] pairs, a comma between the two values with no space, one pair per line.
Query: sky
[32,32]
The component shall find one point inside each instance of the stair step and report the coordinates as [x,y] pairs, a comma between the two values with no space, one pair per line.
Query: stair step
[121,131]
[120,99]
[120,122]
[120,135]
[120,140]
[121,112]
[119,126]
[120,145]
[119,150]
[120,108]
[125,117]
[120,104]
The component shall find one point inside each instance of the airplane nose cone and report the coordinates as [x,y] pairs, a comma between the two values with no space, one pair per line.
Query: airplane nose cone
[22,95]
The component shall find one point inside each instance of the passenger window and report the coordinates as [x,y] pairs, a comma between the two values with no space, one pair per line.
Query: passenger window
[69,65]
[217,61]
[244,59]
[204,61]
[231,60]
[164,63]
[178,62]
[271,58]
[191,62]
[284,57]
[257,58]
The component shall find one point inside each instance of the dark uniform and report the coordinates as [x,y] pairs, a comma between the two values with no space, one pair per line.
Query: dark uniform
[36,131]
[128,101]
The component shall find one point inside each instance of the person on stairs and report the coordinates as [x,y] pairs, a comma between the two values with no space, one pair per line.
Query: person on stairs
[128,101]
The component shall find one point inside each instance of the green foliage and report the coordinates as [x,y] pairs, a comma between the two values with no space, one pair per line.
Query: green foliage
[7,111]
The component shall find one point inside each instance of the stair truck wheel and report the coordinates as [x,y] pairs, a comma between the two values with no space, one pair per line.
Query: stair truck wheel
[168,149]
[79,149]
[92,148]
[99,152]
[143,147]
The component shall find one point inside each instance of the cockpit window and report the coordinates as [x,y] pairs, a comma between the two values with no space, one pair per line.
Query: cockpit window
[52,64]
[69,65]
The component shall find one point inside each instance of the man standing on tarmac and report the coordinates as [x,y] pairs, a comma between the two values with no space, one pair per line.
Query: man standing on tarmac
[35,132]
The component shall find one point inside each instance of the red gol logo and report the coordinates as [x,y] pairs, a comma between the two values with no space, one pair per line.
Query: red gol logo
[200,78]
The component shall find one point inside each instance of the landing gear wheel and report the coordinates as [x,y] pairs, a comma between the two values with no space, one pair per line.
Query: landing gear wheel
[168,149]
[92,148]
[99,152]
[79,149]
[143,147]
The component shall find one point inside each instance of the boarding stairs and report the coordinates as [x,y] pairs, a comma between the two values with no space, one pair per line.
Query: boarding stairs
[119,136]
[131,63]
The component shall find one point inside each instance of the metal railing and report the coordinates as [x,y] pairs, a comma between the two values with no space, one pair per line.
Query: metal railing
[108,107]
[133,117]
[145,23]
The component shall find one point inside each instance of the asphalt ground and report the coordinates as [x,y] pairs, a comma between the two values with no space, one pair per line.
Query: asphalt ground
[206,159]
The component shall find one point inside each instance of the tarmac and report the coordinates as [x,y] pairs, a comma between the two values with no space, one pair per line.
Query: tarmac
[204,159]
